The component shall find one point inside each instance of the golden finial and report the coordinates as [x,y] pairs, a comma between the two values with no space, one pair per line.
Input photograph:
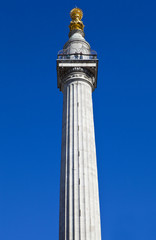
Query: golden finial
[76,15]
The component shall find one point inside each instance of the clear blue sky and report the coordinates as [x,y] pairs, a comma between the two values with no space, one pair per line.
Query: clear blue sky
[124,35]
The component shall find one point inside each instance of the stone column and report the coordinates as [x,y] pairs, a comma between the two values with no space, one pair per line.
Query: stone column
[79,197]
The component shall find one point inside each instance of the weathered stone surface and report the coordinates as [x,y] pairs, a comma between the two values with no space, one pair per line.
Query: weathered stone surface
[79,198]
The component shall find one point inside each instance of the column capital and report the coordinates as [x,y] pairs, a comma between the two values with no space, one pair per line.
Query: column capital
[77,70]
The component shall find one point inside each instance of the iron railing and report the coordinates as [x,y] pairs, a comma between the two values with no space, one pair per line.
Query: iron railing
[77,56]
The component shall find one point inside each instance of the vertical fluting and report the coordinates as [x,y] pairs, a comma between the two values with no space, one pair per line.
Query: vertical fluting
[79,200]
[70,161]
[86,162]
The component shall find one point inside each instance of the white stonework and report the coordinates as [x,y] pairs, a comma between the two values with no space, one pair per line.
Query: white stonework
[79,197]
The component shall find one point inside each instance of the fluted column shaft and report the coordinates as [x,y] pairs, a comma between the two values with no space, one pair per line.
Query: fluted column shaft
[79,197]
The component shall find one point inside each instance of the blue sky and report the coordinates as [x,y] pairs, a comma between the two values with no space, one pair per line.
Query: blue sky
[123,34]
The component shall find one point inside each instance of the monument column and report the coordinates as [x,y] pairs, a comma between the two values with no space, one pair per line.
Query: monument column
[79,198]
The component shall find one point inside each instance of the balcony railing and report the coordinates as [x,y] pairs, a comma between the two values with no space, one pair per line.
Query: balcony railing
[76,56]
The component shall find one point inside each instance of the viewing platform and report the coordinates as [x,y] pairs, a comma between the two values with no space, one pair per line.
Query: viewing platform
[64,55]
